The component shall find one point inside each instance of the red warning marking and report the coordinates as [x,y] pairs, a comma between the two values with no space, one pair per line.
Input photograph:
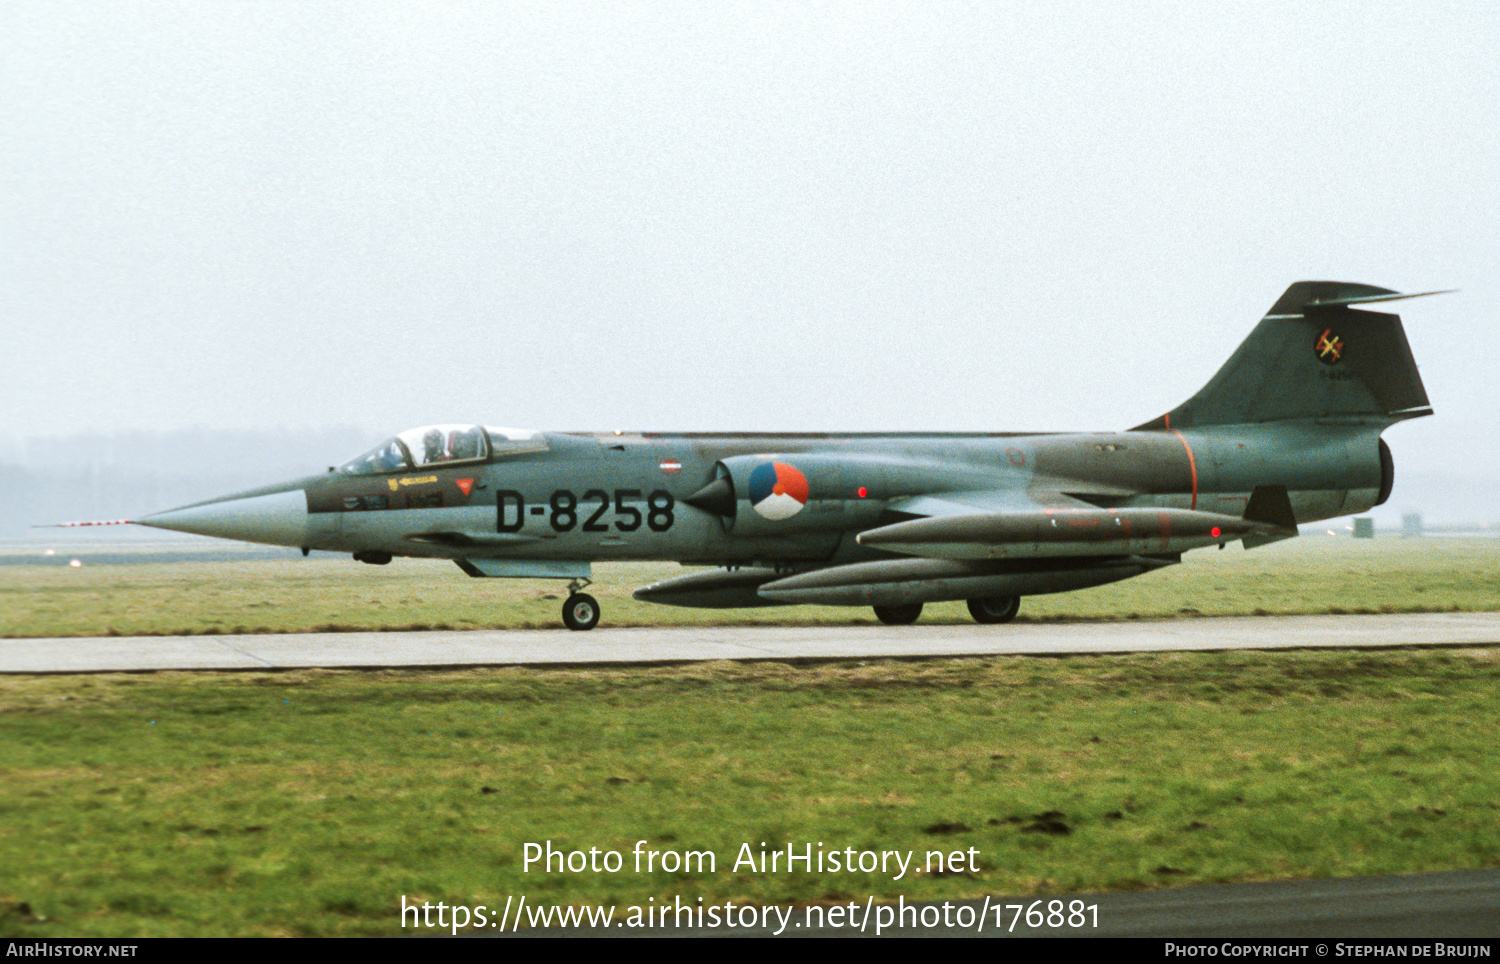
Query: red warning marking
[670,466]
[464,485]
[1017,457]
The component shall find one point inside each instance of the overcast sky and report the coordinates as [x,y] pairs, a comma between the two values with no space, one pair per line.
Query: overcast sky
[727,216]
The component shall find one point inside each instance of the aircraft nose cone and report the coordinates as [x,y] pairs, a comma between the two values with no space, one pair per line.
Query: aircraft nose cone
[279,519]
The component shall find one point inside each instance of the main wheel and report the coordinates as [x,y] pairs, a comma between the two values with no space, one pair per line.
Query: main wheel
[581,611]
[898,615]
[995,609]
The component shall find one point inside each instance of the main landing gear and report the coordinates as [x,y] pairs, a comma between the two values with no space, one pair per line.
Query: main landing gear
[992,609]
[995,609]
[898,615]
[580,611]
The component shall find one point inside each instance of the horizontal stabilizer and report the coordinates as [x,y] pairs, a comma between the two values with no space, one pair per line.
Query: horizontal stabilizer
[1323,294]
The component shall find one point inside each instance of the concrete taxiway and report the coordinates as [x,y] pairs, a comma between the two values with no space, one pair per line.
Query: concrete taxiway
[665,645]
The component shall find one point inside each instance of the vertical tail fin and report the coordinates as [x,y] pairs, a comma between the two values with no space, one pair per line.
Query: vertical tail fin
[1312,356]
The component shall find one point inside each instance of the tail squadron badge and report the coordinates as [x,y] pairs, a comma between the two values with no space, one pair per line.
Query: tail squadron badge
[1329,347]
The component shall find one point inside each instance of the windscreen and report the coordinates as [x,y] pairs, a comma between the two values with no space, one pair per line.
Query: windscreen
[388,456]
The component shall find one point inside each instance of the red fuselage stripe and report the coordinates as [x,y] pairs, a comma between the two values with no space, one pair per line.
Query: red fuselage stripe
[1192,464]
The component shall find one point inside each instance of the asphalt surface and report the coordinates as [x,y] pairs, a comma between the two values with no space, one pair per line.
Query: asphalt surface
[621,646]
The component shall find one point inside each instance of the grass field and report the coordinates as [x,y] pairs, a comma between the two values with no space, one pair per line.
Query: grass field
[310,802]
[1307,575]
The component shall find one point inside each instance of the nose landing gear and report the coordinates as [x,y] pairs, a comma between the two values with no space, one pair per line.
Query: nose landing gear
[580,611]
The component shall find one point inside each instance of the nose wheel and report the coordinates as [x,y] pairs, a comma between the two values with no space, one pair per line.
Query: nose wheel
[580,611]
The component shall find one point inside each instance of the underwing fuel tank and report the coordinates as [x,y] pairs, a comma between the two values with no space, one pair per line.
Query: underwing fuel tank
[1061,532]
[899,582]
[715,589]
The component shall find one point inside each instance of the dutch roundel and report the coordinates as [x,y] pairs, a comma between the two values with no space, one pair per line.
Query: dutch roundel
[778,491]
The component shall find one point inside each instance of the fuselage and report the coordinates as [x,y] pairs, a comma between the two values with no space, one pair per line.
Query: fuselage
[583,497]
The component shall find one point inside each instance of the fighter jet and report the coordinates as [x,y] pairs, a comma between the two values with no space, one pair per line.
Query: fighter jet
[1287,432]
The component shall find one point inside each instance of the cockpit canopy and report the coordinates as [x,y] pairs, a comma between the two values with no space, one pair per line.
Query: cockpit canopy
[433,445]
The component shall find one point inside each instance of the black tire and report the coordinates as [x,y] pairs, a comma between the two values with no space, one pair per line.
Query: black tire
[995,609]
[898,615]
[581,611]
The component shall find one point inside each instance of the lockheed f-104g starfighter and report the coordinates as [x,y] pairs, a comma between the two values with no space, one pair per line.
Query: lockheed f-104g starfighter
[1287,432]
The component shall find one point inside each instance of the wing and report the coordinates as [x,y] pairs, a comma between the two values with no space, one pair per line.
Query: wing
[947,504]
